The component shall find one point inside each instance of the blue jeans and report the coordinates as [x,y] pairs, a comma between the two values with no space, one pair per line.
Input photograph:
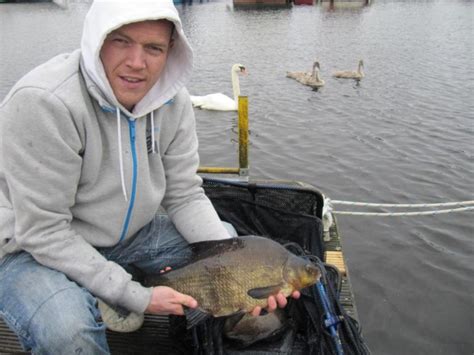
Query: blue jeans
[54,315]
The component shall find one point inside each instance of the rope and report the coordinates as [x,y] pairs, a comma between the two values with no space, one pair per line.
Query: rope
[463,206]
[421,213]
[420,205]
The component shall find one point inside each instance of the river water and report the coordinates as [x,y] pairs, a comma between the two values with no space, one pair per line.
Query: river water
[403,135]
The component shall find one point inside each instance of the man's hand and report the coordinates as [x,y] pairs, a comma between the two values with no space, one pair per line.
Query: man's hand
[275,301]
[165,300]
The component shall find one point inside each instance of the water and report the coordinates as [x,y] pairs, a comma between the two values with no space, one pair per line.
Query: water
[404,135]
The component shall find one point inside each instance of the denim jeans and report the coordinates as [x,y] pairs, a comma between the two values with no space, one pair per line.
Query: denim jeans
[54,315]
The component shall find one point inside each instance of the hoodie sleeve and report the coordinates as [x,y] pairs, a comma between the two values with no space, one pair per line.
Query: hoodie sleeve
[41,152]
[188,207]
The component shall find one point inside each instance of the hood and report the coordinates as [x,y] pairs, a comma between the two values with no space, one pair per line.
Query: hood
[105,16]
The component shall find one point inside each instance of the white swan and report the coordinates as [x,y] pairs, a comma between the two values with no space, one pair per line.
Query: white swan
[219,101]
[348,74]
[306,78]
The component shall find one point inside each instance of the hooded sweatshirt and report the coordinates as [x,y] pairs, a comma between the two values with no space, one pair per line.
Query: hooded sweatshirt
[79,171]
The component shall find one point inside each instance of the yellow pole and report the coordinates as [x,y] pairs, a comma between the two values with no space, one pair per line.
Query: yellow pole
[243,169]
[217,170]
[243,135]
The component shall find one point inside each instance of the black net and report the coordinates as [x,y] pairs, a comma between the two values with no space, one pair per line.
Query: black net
[290,213]
[283,212]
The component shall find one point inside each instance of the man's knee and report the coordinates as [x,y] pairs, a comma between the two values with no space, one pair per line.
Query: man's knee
[230,228]
[68,323]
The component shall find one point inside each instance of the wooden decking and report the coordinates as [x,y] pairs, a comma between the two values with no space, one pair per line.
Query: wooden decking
[335,256]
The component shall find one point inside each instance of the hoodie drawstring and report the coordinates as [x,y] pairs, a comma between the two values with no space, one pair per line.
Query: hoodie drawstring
[152,124]
[119,137]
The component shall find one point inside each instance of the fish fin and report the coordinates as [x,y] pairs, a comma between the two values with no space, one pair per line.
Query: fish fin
[195,316]
[264,292]
[232,320]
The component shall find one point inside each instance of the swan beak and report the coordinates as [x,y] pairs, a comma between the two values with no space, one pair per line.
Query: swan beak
[243,71]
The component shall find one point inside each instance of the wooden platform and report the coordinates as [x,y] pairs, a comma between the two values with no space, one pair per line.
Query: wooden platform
[335,258]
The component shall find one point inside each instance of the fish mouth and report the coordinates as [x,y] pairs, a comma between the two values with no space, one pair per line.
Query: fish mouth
[310,276]
[300,273]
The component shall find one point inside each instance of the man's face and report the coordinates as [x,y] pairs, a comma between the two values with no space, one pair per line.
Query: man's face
[134,56]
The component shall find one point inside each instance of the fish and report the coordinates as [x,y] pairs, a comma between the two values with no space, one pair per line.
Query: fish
[232,276]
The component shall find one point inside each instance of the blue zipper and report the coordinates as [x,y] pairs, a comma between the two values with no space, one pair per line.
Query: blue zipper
[131,130]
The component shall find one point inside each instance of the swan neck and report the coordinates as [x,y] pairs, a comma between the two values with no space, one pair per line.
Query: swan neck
[315,69]
[235,86]
[318,78]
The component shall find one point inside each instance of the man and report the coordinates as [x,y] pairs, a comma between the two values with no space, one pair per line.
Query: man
[92,143]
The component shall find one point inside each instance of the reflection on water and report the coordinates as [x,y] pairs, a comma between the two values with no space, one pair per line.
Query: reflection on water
[403,135]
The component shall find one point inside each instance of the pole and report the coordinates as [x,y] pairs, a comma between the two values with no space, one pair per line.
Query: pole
[243,136]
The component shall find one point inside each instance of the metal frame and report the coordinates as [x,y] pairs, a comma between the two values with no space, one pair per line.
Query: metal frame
[243,127]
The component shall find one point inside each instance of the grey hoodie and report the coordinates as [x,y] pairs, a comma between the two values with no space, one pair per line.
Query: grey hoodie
[76,171]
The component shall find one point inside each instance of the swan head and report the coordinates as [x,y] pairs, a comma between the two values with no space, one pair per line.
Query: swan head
[316,65]
[239,69]
[361,63]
